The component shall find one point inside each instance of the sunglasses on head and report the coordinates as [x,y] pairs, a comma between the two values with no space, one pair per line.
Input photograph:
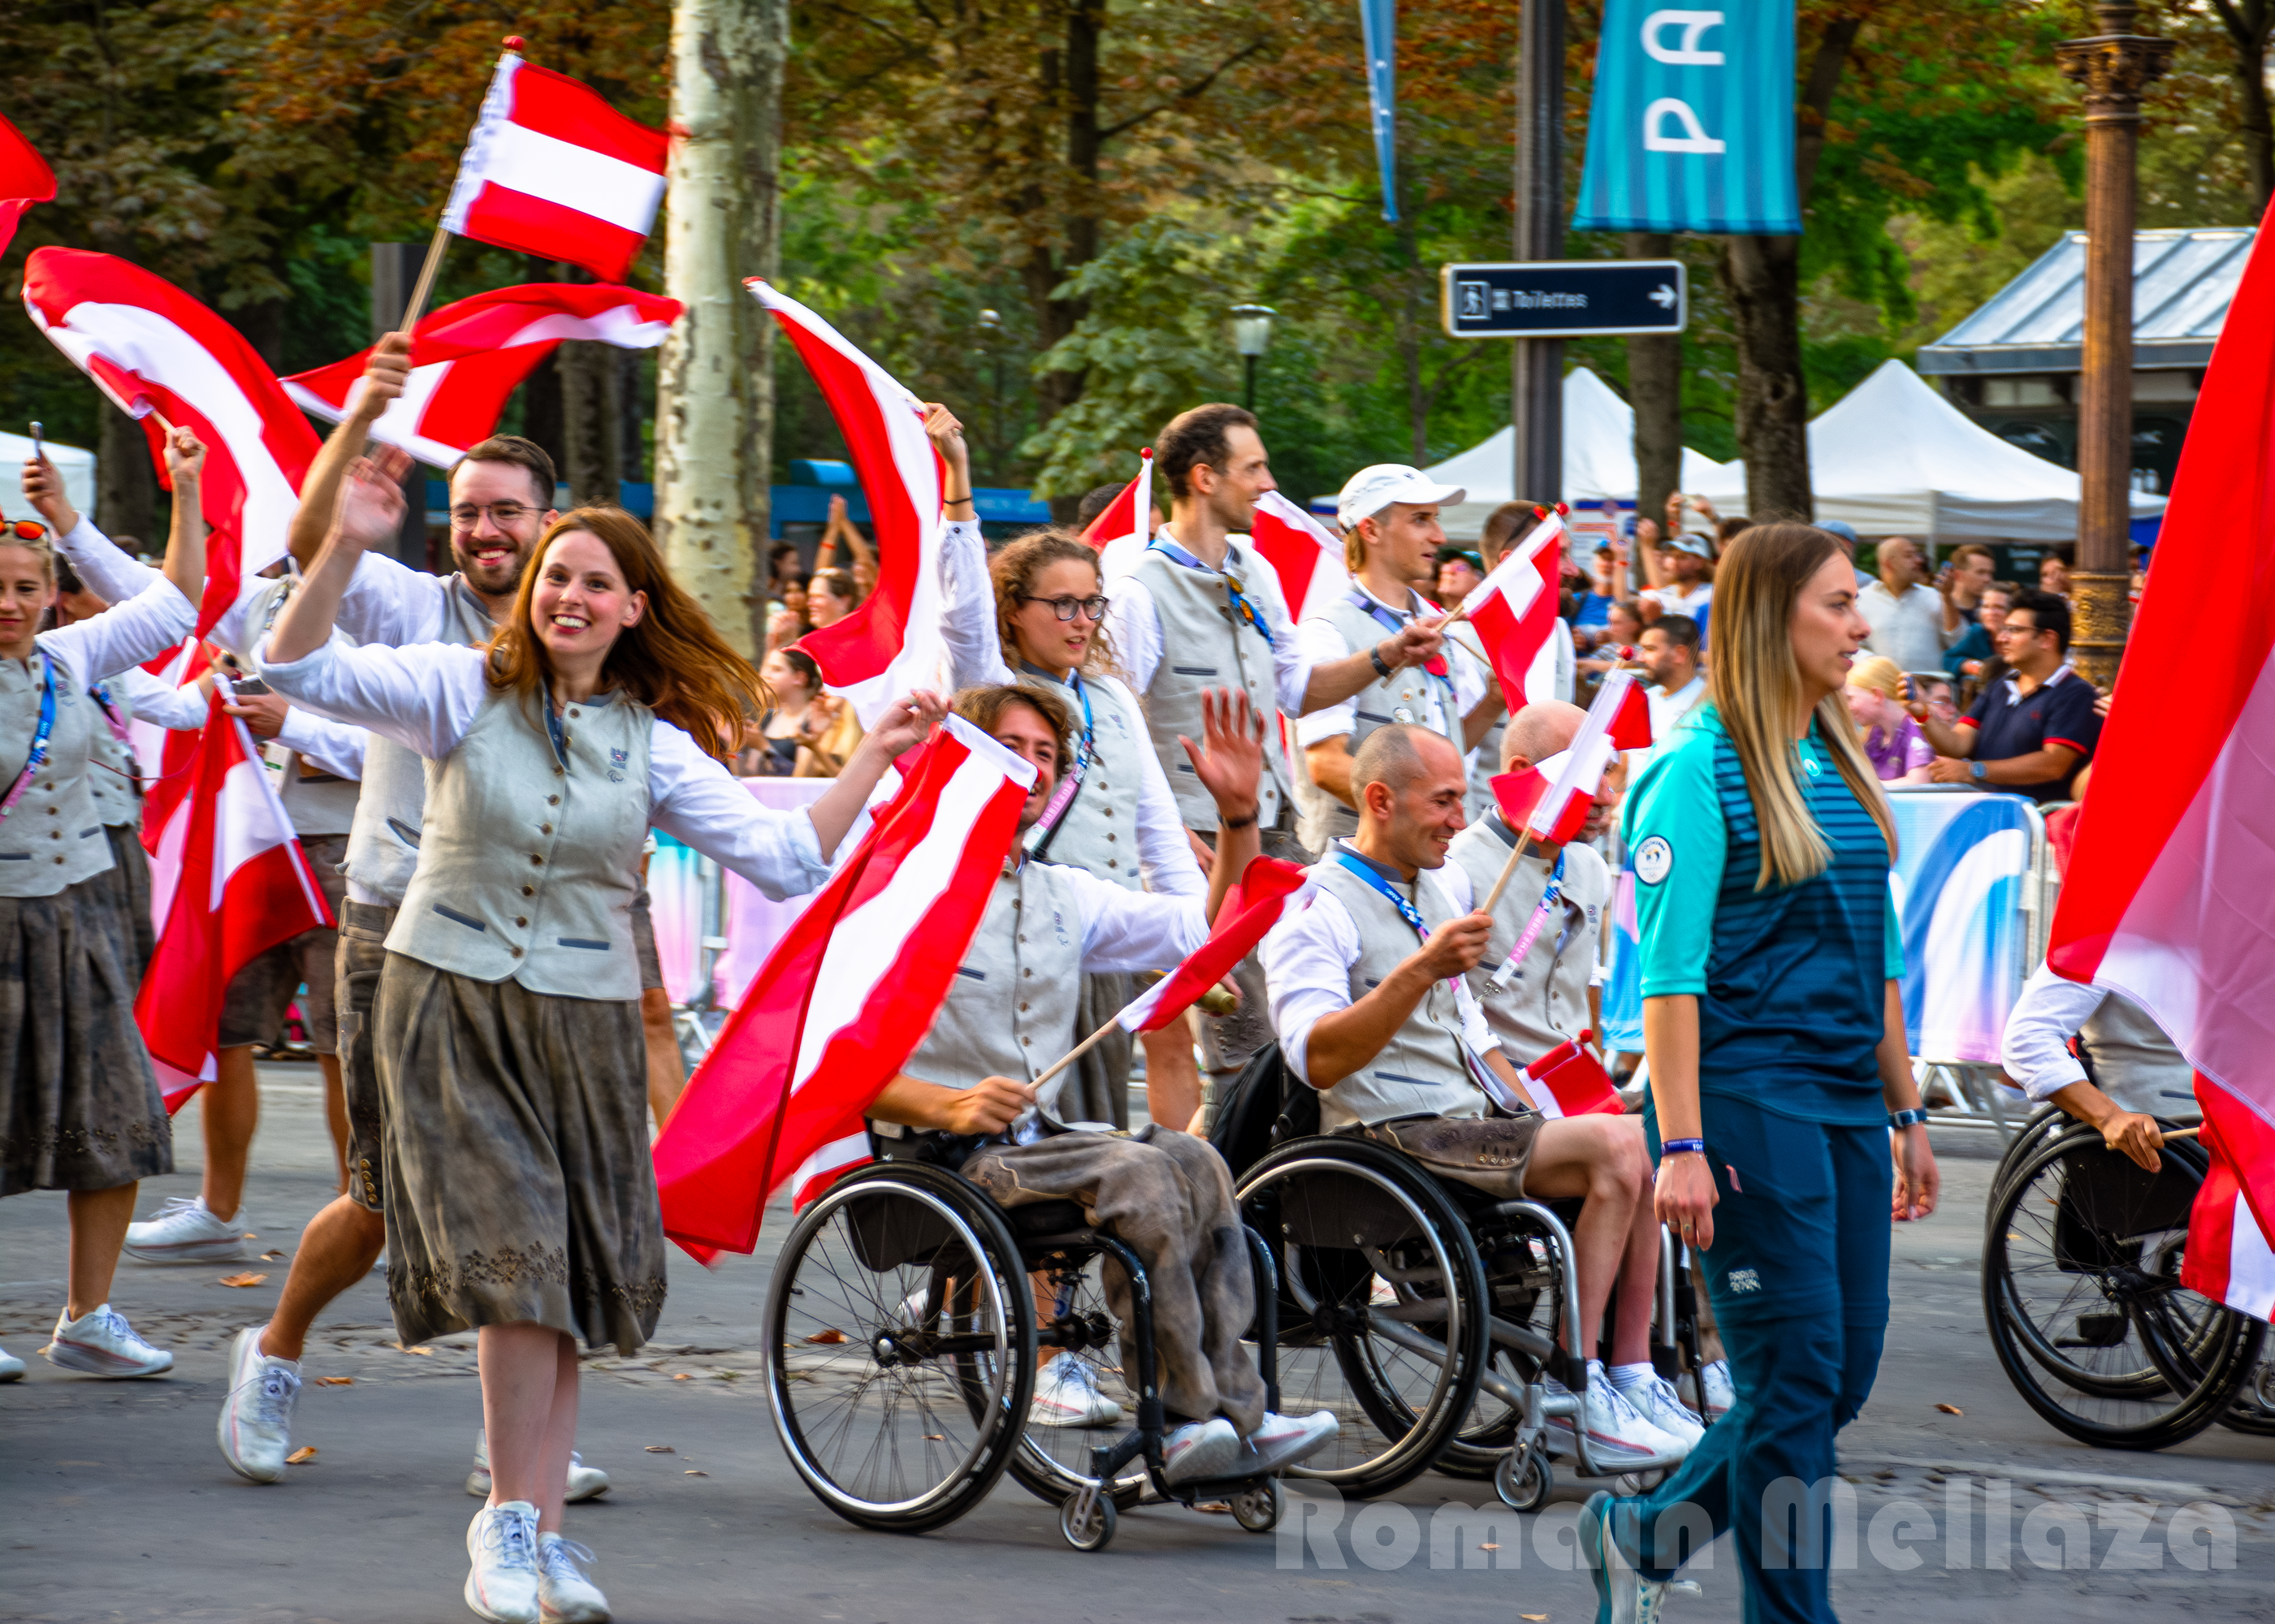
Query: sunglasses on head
[26,529]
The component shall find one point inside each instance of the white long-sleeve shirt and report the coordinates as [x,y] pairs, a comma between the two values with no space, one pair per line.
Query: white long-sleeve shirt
[975,653]
[1126,929]
[1322,642]
[142,625]
[1137,641]
[426,697]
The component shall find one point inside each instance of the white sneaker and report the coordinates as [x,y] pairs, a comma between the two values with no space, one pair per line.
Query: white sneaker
[1207,1449]
[1616,1433]
[100,1343]
[186,1231]
[12,1368]
[564,1595]
[1722,1395]
[1067,1395]
[584,1483]
[1657,1402]
[1622,1595]
[502,1542]
[1284,1440]
[256,1417]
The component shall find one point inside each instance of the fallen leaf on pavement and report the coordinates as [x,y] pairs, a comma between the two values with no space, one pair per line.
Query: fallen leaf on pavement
[301,1456]
[695,1474]
[935,1438]
[270,1257]
[827,1337]
[1950,1410]
[1488,1547]
[424,1353]
[243,1279]
[1534,1618]
[1218,1509]
[335,1381]
[683,1376]
[662,1449]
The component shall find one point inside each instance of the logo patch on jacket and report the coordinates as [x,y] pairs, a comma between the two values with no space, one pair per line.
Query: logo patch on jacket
[617,759]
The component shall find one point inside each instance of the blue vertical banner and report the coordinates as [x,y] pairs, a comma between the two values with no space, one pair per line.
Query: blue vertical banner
[1692,125]
[1380,20]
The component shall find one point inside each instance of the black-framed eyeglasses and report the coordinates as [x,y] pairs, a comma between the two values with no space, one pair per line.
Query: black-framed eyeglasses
[1065,607]
[504,515]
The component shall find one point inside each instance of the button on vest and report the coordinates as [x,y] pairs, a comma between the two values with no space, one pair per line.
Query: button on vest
[54,837]
[1404,695]
[1011,1006]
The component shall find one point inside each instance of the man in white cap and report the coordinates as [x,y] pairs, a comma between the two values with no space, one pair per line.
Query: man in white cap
[1391,537]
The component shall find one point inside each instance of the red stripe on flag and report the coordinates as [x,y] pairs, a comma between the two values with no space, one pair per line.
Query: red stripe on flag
[1253,906]
[553,104]
[505,218]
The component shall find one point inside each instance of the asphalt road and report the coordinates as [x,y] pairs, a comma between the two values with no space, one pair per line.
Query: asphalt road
[115,1504]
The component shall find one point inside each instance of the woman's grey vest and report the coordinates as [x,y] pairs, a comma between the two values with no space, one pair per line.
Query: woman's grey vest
[2134,1063]
[1011,1006]
[383,839]
[54,838]
[1405,695]
[1203,644]
[1421,1071]
[527,867]
[1543,1001]
[111,768]
[1099,830]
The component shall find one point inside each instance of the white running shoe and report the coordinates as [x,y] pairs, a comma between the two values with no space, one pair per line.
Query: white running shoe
[100,1343]
[585,1483]
[501,1586]
[1284,1440]
[1207,1449]
[564,1595]
[1622,1595]
[1616,1433]
[256,1417]
[1067,1395]
[186,1231]
[1657,1402]
[1722,1395]
[12,1368]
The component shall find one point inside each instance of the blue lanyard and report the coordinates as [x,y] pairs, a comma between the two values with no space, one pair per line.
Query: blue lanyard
[1390,622]
[1241,606]
[553,731]
[1406,910]
[38,758]
[1081,691]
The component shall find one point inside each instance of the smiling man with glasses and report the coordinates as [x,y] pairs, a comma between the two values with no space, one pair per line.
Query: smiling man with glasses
[2029,733]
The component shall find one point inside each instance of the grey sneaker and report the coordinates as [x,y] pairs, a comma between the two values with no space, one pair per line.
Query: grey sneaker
[501,1586]
[100,1342]
[564,1595]
[256,1417]
[585,1483]
[186,1231]
[1200,1449]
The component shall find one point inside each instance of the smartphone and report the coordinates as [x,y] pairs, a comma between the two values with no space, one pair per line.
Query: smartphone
[1912,688]
[248,685]
[39,451]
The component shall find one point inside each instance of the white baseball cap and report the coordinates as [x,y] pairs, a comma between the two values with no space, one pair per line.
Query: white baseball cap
[1371,490]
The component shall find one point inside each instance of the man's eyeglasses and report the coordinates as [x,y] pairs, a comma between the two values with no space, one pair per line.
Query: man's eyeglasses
[504,515]
[1065,607]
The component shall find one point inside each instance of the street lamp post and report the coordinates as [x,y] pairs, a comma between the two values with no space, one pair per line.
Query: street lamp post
[2112,67]
[991,324]
[1251,335]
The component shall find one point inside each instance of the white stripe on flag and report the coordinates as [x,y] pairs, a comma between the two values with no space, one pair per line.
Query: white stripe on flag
[2250,1265]
[557,171]
[1141,1008]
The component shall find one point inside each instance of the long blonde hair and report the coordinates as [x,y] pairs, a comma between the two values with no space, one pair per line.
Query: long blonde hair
[1756,684]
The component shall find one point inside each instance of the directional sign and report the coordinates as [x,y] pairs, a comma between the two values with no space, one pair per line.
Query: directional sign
[1563,298]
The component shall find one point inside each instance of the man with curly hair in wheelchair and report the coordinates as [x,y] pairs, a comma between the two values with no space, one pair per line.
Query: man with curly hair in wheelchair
[968,1096]
[1369,998]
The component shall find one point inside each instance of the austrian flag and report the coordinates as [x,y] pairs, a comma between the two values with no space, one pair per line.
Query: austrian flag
[1305,555]
[553,170]
[1266,889]
[1551,801]
[1515,613]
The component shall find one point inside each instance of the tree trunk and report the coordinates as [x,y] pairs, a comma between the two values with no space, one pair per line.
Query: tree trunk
[1762,276]
[714,394]
[125,489]
[592,447]
[2248,30]
[1655,391]
[1069,76]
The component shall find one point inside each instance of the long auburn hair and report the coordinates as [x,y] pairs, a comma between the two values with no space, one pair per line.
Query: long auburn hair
[1014,570]
[672,660]
[1756,684]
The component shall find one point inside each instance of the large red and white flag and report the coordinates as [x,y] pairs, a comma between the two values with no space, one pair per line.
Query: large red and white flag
[24,179]
[1514,608]
[1123,530]
[1570,1081]
[228,881]
[1266,890]
[467,358]
[2166,897]
[552,169]
[156,351]
[843,1000]
[891,644]
[164,754]
[2228,1257]
[1304,555]
[1552,798]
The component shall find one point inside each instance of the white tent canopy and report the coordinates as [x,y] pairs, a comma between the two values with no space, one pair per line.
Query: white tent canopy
[1895,457]
[1599,463]
[76,467]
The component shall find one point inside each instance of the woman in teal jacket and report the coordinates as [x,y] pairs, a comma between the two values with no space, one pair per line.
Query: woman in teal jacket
[1774,1029]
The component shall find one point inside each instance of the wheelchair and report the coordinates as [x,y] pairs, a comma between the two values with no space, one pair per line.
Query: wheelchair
[1427,1317]
[2081,1253]
[906,1320]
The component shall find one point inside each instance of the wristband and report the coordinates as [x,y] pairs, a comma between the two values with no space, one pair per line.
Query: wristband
[1680,1147]
[1223,822]
[1911,1116]
[949,502]
[1381,666]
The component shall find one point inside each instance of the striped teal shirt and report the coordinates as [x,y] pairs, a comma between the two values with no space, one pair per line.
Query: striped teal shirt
[1790,980]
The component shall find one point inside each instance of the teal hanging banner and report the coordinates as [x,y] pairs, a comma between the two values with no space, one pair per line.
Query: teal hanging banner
[1692,125]
[1378,23]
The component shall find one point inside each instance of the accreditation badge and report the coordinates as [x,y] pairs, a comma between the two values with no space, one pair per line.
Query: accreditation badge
[1654,859]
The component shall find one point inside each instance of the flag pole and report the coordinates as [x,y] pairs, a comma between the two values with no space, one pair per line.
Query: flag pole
[426,283]
[1084,1046]
[1509,869]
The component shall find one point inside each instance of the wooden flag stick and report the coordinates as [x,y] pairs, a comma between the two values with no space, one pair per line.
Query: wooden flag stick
[2183,1133]
[426,283]
[1509,869]
[1079,1050]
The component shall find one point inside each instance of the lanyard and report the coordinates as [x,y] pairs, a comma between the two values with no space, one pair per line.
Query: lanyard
[1389,622]
[1549,898]
[1479,1072]
[1071,785]
[1241,606]
[38,759]
[553,732]
[101,694]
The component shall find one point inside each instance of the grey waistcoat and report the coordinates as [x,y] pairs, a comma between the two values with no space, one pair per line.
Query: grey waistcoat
[384,838]
[526,870]
[1421,1069]
[1543,1001]
[1205,645]
[1405,695]
[2134,1063]
[1099,830]
[112,771]
[54,838]
[1011,1006]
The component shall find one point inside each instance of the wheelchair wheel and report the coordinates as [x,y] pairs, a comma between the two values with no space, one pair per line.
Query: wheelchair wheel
[1087,1528]
[1382,1310]
[903,1340]
[1052,1462]
[1523,1481]
[1259,1508]
[2046,1123]
[1524,1281]
[2082,1294]
[2254,1409]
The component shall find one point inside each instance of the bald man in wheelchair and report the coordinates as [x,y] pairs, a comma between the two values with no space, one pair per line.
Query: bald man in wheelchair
[1369,997]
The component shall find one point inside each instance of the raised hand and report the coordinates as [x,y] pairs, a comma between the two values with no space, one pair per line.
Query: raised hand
[907,723]
[43,489]
[185,456]
[371,501]
[385,377]
[947,435]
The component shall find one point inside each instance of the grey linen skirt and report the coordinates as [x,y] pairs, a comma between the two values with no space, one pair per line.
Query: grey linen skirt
[80,1108]
[128,882]
[518,1182]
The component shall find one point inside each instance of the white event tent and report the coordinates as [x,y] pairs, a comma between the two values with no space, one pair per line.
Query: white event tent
[76,467]
[1599,463]
[1894,456]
